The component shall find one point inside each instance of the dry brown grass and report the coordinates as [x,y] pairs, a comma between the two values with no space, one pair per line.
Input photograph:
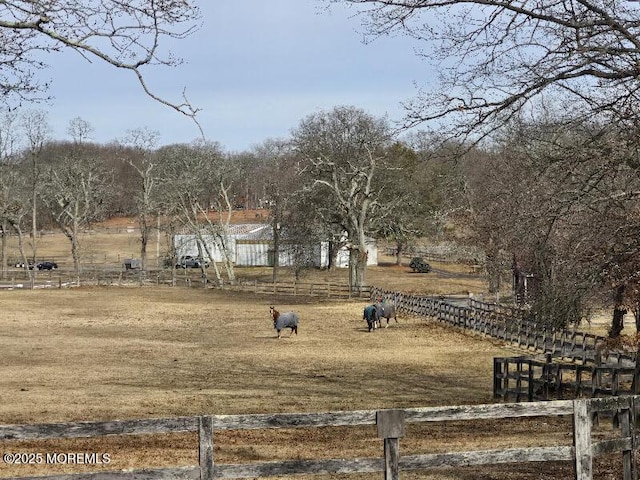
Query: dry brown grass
[107,353]
[113,353]
[169,351]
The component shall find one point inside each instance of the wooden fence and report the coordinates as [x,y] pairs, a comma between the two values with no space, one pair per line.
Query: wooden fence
[523,378]
[506,323]
[526,379]
[323,290]
[390,429]
[100,276]
[184,278]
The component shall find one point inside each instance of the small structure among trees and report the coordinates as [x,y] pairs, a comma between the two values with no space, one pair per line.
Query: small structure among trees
[252,244]
[524,284]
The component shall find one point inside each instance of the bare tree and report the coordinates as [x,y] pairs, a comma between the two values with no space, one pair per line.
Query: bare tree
[142,159]
[7,150]
[496,58]
[15,206]
[499,61]
[36,131]
[75,194]
[280,182]
[224,176]
[562,200]
[409,192]
[193,176]
[126,35]
[80,130]
[344,151]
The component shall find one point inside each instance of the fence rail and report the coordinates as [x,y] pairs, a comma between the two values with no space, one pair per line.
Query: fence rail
[326,290]
[58,279]
[507,323]
[100,276]
[524,378]
[390,428]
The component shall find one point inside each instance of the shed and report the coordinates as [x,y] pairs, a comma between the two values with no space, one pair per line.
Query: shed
[251,244]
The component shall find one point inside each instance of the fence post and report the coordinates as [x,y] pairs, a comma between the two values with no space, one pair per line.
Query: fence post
[390,424]
[628,430]
[596,375]
[205,447]
[582,440]
[530,389]
[497,376]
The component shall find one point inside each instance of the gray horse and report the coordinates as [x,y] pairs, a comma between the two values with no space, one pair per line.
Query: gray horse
[386,310]
[370,314]
[284,320]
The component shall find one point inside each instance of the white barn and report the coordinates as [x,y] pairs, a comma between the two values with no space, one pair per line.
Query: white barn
[251,244]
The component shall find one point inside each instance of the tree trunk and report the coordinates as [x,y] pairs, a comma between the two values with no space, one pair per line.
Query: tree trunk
[493,268]
[224,226]
[276,244]
[23,255]
[226,256]
[75,254]
[357,268]
[202,257]
[5,232]
[158,264]
[333,255]
[34,225]
[144,240]
[399,252]
[617,323]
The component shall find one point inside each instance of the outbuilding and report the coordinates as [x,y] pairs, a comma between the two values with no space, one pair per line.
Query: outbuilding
[251,245]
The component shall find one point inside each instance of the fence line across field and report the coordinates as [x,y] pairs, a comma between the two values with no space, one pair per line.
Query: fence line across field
[58,279]
[526,379]
[507,323]
[295,288]
[390,429]
[523,378]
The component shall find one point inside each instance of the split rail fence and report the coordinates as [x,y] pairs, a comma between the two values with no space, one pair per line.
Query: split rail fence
[58,279]
[509,324]
[390,429]
[523,378]
[322,290]
[527,379]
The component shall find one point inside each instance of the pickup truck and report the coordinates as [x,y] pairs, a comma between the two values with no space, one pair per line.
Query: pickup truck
[189,261]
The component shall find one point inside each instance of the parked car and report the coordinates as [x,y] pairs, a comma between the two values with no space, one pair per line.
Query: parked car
[132,263]
[189,261]
[419,265]
[46,265]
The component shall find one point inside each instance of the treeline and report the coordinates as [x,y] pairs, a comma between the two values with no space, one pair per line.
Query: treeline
[342,177]
[553,199]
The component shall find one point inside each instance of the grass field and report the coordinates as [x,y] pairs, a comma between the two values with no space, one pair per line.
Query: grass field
[127,352]
[113,353]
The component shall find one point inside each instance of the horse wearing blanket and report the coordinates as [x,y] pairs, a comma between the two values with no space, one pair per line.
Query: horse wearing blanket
[386,310]
[284,320]
[371,316]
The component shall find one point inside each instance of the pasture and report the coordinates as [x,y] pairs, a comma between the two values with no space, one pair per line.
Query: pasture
[116,353]
[103,353]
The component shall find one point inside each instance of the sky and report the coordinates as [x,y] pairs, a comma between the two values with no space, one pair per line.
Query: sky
[255,69]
